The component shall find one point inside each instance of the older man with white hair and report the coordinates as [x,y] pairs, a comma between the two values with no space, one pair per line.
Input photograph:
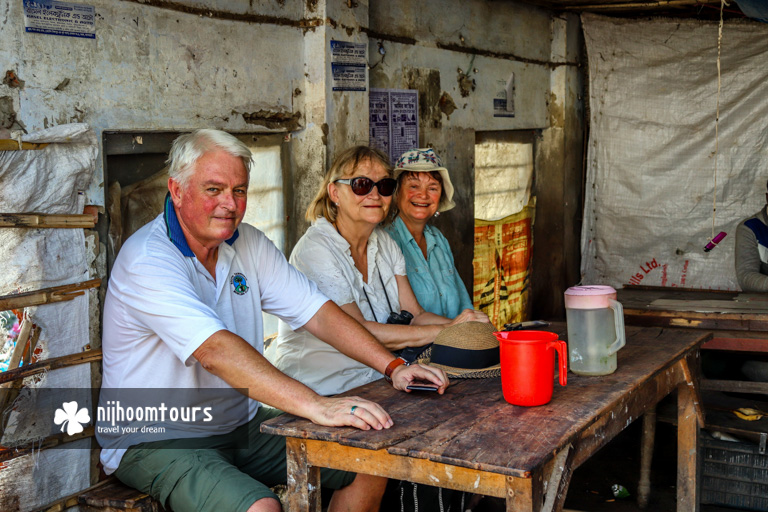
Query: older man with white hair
[183,310]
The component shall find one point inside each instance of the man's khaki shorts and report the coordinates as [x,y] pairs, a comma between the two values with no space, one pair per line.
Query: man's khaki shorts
[214,474]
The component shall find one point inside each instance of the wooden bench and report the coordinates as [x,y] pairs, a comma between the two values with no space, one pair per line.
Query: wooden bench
[112,495]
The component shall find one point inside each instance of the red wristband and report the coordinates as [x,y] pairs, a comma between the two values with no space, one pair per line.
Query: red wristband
[391,367]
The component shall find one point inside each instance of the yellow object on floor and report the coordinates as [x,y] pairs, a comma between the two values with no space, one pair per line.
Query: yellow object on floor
[746,413]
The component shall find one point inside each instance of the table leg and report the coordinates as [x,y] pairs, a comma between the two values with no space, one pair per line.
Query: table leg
[560,473]
[303,480]
[546,490]
[687,449]
[524,494]
[646,456]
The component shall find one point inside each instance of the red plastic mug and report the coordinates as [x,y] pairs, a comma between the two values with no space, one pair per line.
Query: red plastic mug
[528,366]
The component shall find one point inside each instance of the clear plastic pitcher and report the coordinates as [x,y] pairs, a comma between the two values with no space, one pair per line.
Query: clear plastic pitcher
[595,329]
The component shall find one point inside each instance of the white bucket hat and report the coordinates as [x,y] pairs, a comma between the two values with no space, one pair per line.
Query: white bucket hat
[426,160]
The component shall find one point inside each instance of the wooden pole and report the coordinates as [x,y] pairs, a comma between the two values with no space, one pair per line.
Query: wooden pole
[46,220]
[628,6]
[54,363]
[13,145]
[46,295]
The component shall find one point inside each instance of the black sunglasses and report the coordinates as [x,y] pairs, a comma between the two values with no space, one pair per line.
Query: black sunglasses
[362,186]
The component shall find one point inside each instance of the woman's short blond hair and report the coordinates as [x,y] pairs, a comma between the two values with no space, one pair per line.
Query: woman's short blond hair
[344,164]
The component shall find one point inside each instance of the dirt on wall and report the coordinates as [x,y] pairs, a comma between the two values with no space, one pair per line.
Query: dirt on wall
[427,82]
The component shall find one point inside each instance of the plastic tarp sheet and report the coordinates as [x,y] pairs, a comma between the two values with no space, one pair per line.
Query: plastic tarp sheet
[651,155]
[50,180]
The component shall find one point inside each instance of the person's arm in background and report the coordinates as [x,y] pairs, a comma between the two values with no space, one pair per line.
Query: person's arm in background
[747,261]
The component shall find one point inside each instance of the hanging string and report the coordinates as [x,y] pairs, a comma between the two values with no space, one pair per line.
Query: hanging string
[723,3]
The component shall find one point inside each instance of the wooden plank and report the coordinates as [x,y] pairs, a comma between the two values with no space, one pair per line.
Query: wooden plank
[720,417]
[687,450]
[726,321]
[691,367]
[46,220]
[13,145]
[54,363]
[48,442]
[646,456]
[114,496]
[560,472]
[524,494]
[9,390]
[46,295]
[737,344]
[423,412]
[420,471]
[736,386]
[303,478]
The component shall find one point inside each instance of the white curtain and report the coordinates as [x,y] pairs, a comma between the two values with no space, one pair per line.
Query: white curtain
[651,162]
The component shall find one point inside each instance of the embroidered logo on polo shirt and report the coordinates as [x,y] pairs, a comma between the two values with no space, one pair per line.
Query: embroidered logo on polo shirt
[239,283]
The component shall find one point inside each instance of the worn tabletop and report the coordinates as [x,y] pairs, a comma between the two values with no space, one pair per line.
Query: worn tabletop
[700,309]
[472,426]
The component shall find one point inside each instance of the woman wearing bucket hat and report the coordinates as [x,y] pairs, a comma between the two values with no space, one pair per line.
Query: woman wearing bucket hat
[356,264]
[424,191]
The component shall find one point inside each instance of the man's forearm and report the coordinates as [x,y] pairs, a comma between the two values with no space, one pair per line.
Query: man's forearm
[231,358]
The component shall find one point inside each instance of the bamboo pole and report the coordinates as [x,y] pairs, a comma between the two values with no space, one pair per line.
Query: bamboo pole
[49,442]
[13,145]
[89,356]
[46,220]
[46,295]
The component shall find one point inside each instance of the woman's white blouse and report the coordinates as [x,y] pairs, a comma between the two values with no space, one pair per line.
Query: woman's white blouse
[324,256]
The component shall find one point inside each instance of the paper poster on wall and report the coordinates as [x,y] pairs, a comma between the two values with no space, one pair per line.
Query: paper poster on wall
[59,18]
[348,65]
[394,120]
[378,126]
[504,102]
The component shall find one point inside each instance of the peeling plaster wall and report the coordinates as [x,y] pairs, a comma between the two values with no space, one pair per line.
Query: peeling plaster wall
[154,68]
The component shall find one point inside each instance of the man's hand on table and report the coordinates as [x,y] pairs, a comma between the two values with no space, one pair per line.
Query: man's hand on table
[403,376]
[351,411]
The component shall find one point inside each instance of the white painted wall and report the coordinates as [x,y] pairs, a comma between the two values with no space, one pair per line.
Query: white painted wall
[151,68]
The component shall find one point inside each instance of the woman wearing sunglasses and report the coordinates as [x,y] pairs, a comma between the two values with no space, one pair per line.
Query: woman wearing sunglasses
[358,266]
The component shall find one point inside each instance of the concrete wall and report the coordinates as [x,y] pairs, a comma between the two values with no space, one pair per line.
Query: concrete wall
[249,67]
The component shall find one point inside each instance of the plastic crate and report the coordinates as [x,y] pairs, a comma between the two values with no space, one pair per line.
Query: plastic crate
[734,474]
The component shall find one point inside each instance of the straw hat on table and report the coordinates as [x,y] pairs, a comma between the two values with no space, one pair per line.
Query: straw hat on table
[465,351]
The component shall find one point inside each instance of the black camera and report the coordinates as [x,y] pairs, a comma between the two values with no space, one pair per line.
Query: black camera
[402,318]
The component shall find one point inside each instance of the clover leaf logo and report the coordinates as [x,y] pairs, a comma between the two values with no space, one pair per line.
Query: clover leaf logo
[71,418]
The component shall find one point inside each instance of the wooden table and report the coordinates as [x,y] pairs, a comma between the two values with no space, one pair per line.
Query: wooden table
[470,439]
[738,321]
[740,317]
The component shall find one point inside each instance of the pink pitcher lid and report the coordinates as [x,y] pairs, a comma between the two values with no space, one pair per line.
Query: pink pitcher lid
[589,296]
